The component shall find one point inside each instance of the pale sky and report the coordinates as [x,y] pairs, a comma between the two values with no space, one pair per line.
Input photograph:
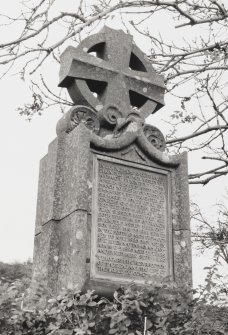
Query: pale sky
[23,144]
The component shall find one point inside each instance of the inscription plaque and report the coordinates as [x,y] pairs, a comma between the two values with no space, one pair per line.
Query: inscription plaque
[130,229]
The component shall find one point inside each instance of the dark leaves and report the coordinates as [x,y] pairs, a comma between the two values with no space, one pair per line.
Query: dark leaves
[160,310]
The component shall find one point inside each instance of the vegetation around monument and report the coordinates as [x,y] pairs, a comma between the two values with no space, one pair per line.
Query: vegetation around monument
[160,311]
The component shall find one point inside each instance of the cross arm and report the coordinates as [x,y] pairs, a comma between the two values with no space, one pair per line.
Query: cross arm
[146,84]
[75,65]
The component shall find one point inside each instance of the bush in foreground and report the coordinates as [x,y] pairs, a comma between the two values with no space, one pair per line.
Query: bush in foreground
[159,311]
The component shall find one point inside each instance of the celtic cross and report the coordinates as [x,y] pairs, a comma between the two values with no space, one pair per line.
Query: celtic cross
[112,75]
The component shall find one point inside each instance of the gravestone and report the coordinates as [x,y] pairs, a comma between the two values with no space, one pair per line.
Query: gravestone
[112,205]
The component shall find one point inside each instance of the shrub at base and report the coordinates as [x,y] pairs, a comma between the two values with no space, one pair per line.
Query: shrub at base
[159,311]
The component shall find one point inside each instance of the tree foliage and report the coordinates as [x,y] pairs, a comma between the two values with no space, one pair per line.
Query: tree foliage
[192,57]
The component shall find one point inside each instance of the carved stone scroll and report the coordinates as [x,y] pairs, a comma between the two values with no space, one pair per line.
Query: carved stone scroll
[154,136]
[77,115]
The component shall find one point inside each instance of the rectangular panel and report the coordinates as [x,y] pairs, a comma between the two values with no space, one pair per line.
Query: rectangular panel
[131,232]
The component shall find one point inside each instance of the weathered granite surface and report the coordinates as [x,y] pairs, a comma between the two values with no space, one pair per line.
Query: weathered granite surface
[113,206]
[46,188]
[46,250]
[74,173]
[73,249]
[182,257]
